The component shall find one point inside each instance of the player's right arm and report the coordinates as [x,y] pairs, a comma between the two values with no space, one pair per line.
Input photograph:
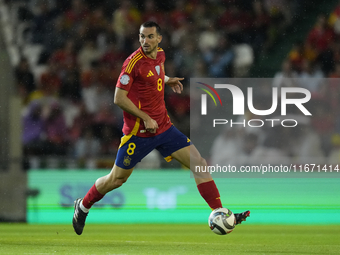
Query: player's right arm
[121,99]
[175,84]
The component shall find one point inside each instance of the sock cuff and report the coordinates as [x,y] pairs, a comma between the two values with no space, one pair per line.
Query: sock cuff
[83,208]
[91,197]
[96,192]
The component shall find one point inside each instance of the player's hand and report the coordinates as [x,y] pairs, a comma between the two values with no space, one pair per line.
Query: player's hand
[175,84]
[150,125]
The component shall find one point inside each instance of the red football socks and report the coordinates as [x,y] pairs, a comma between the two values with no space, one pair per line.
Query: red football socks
[91,197]
[209,192]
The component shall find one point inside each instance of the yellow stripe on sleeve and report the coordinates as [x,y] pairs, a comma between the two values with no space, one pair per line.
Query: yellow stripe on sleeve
[132,63]
[132,59]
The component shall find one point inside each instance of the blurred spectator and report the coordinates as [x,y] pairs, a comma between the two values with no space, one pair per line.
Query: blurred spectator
[242,155]
[250,142]
[280,12]
[56,37]
[56,131]
[336,73]
[326,59]
[209,38]
[236,23]
[82,120]
[304,144]
[70,87]
[50,81]
[226,147]
[200,70]
[113,56]
[259,103]
[323,123]
[75,15]
[259,34]
[152,13]
[178,15]
[96,96]
[181,32]
[42,22]
[108,76]
[201,16]
[286,77]
[88,54]
[219,60]
[249,151]
[179,108]
[90,76]
[309,53]
[126,19]
[105,115]
[272,150]
[321,35]
[311,77]
[186,59]
[109,140]
[125,16]
[87,146]
[334,156]
[65,58]
[96,23]
[33,130]
[24,78]
[296,56]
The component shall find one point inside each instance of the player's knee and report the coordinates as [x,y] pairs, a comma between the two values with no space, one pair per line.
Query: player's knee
[203,162]
[119,182]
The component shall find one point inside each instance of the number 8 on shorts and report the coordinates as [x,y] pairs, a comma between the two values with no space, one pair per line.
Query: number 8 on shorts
[131,149]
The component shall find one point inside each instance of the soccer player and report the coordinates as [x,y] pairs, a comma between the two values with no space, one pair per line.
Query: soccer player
[147,126]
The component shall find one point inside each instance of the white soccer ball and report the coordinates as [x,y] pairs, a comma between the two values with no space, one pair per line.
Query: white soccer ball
[222,221]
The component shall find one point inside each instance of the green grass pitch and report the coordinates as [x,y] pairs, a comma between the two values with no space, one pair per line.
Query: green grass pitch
[168,239]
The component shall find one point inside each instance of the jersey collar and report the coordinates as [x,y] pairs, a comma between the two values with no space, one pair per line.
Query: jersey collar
[142,52]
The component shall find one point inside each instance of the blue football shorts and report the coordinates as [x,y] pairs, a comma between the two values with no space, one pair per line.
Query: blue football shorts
[133,149]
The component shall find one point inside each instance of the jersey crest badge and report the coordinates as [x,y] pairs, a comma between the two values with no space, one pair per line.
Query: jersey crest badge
[158,69]
[127,161]
[125,79]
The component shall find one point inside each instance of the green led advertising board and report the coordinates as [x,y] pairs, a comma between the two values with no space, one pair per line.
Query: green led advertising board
[171,196]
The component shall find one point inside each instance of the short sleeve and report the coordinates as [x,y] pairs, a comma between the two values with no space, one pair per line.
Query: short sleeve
[124,81]
[126,76]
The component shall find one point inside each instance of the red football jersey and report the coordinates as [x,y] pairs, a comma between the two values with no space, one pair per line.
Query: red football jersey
[143,78]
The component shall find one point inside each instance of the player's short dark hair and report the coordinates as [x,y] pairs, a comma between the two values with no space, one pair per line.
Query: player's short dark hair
[152,24]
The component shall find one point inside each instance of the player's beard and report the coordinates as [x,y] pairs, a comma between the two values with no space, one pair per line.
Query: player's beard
[150,50]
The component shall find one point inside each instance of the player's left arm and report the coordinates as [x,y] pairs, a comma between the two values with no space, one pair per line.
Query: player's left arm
[174,83]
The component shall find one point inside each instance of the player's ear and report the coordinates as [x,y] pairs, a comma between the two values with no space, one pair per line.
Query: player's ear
[159,38]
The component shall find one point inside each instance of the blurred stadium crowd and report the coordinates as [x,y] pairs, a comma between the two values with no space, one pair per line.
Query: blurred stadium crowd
[70,55]
[313,64]
[316,64]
